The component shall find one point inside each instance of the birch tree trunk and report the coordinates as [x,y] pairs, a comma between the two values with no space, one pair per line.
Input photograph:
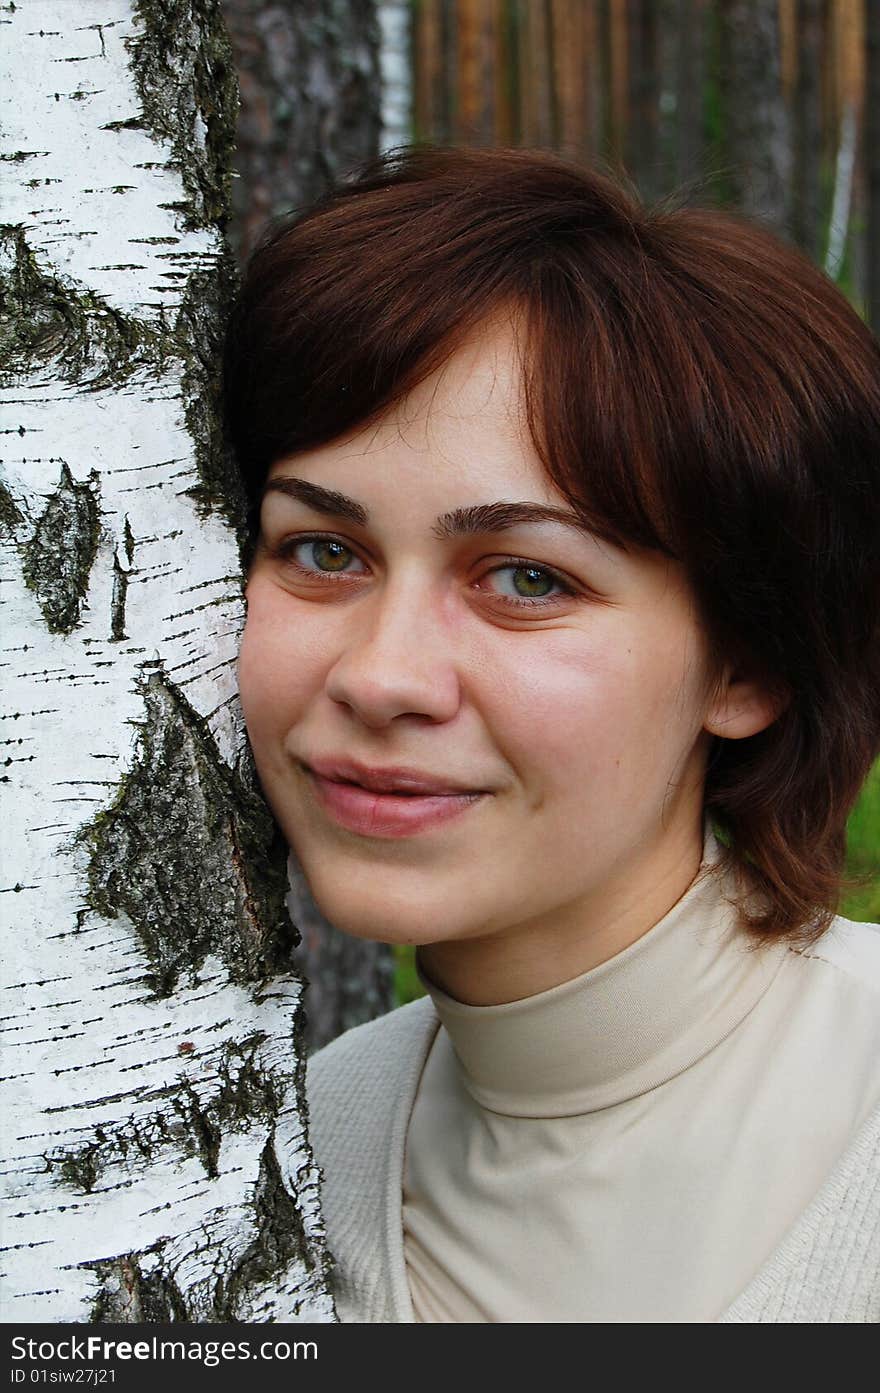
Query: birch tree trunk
[157,1166]
[395,63]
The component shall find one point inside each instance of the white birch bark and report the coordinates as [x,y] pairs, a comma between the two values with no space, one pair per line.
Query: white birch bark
[156,1166]
[395,19]
[844,171]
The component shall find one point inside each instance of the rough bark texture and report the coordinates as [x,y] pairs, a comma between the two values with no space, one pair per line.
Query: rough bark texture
[755,124]
[156,1159]
[310,101]
[312,104]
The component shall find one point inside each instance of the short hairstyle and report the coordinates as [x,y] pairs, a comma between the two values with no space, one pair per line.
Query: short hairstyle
[692,384]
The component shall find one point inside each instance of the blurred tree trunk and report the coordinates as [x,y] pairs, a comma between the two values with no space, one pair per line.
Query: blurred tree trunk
[643,107]
[434,53]
[755,139]
[614,49]
[309,74]
[691,79]
[536,86]
[311,108]
[576,75]
[806,212]
[474,43]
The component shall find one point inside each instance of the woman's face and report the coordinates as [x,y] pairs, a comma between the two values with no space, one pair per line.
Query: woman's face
[400,618]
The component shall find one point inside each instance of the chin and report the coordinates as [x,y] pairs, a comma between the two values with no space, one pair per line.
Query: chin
[381,916]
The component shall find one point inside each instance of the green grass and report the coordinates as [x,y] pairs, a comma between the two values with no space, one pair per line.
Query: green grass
[407,986]
[863,860]
[863,853]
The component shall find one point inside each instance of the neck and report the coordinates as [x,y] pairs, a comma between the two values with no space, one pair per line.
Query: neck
[517,961]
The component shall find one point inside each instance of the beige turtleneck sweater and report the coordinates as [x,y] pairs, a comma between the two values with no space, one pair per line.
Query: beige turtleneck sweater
[633,1145]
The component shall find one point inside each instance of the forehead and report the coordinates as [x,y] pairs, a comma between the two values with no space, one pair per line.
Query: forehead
[462,429]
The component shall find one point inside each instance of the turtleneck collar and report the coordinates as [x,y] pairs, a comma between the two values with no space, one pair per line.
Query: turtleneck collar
[625,1026]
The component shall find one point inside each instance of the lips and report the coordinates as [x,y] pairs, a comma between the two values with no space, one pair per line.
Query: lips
[410,802]
[399,780]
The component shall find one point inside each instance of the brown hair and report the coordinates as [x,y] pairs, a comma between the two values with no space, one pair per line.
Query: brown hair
[693,385]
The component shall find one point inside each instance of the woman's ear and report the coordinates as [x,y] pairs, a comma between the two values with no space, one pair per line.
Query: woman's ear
[741,706]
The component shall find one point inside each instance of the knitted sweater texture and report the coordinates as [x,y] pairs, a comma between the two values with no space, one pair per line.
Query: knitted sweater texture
[361,1090]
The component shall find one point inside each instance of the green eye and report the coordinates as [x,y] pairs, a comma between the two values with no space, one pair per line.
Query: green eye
[329,555]
[532,582]
[521,581]
[319,557]
[526,584]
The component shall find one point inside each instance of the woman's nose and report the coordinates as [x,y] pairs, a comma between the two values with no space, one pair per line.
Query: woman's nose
[398,659]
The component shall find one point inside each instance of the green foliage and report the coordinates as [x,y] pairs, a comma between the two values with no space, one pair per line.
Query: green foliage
[407,986]
[863,853]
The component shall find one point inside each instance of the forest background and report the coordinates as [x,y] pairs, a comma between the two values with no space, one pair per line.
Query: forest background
[766,106]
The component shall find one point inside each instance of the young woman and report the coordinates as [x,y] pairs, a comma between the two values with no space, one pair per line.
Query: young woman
[562,663]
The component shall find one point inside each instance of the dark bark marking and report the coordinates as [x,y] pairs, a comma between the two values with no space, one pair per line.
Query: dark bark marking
[280,1240]
[190,854]
[133,123]
[200,325]
[184,74]
[142,1287]
[52,319]
[57,559]
[135,1289]
[192,1121]
[120,586]
[117,602]
[11,516]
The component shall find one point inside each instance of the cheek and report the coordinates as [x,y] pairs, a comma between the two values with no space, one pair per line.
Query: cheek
[555,708]
[603,704]
[275,667]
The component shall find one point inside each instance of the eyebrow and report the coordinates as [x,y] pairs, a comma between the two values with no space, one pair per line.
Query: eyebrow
[460,522]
